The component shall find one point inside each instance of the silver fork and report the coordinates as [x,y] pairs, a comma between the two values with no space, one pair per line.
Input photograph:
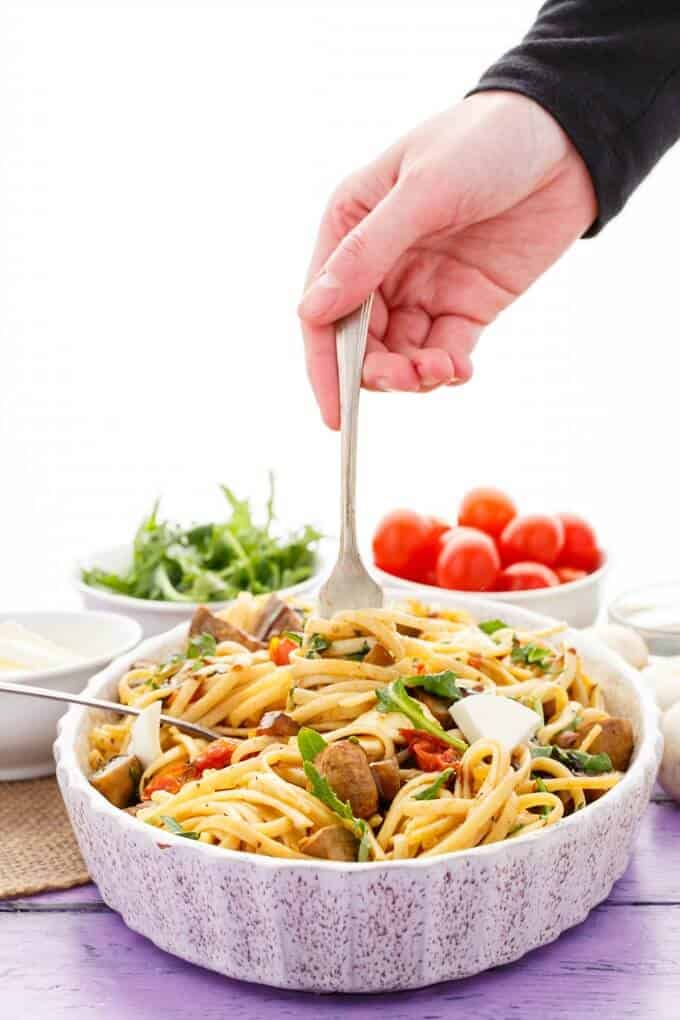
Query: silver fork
[350,586]
[30,691]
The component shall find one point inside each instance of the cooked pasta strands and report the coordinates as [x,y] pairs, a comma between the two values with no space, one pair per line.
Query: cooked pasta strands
[252,791]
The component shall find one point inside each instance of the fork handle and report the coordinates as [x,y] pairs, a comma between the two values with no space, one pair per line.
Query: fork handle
[351,335]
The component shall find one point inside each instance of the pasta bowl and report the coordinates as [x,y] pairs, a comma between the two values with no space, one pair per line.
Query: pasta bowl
[329,926]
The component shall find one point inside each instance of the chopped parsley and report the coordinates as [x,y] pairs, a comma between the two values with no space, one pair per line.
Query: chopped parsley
[317,644]
[576,761]
[201,645]
[177,829]
[531,654]
[491,626]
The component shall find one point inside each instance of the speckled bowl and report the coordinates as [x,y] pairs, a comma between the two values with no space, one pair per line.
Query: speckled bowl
[332,927]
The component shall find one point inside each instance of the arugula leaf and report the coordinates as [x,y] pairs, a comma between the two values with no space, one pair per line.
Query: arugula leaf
[323,790]
[310,743]
[442,684]
[394,698]
[211,562]
[201,645]
[491,626]
[531,654]
[430,792]
[576,761]
[175,827]
[317,644]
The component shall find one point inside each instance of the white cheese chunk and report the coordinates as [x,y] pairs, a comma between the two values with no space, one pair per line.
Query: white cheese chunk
[145,740]
[493,717]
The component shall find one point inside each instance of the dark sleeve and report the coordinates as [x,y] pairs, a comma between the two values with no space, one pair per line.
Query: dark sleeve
[609,72]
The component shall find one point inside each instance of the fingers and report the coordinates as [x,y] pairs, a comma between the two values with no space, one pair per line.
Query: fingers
[362,259]
[322,369]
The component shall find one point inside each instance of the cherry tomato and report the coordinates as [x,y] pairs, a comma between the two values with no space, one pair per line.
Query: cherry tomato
[580,544]
[398,540]
[469,561]
[524,576]
[216,756]
[170,778]
[487,509]
[280,649]
[432,754]
[567,574]
[423,564]
[535,537]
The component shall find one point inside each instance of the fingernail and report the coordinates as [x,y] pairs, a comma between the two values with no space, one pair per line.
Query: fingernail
[382,384]
[429,382]
[320,296]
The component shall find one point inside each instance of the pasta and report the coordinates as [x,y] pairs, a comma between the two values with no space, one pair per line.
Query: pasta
[336,739]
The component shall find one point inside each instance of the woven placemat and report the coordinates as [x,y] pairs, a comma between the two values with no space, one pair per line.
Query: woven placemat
[38,850]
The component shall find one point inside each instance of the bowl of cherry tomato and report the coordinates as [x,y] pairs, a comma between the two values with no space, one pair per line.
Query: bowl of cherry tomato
[552,563]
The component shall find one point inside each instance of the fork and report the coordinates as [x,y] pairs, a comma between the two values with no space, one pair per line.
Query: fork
[350,586]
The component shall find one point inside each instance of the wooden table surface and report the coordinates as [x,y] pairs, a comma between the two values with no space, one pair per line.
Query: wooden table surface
[66,956]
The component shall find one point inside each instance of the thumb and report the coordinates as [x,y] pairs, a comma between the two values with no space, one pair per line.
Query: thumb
[365,256]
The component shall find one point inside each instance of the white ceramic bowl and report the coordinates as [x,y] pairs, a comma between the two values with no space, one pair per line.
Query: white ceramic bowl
[28,726]
[153,615]
[578,603]
[326,926]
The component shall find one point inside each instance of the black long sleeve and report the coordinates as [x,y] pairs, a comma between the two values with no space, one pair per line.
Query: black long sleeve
[609,72]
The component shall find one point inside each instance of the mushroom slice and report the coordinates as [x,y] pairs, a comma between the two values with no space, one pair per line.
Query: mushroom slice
[117,780]
[332,843]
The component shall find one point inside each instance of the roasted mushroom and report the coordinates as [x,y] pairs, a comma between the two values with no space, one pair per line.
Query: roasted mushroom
[276,617]
[117,780]
[387,778]
[277,724]
[332,843]
[205,622]
[616,740]
[345,765]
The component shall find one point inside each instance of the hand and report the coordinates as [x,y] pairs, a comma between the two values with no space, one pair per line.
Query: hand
[447,227]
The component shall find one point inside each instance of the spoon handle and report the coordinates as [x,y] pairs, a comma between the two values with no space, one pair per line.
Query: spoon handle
[111,706]
[350,341]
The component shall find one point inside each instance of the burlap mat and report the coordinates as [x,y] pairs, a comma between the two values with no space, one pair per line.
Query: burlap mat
[38,851]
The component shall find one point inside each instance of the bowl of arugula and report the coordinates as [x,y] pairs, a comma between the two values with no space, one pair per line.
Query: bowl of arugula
[168,570]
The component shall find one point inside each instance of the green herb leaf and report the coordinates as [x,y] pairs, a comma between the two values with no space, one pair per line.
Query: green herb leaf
[431,792]
[442,684]
[491,626]
[310,743]
[542,788]
[293,635]
[201,645]
[576,761]
[177,829]
[316,645]
[359,655]
[531,654]
[394,698]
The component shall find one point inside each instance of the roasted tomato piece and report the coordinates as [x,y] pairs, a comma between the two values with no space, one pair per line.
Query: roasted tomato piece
[216,756]
[280,649]
[170,778]
[431,753]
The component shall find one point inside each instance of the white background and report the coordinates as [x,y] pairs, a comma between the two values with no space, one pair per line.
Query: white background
[163,171]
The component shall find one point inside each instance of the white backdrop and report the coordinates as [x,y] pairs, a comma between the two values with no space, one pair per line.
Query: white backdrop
[163,171]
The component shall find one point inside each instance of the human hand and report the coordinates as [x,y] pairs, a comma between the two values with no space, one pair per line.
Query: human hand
[448,227]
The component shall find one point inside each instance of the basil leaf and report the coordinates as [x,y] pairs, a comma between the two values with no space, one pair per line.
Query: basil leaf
[310,743]
[201,645]
[430,792]
[176,828]
[442,684]
[394,698]
[491,626]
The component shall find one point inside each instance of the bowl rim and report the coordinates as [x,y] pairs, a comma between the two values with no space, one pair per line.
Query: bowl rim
[164,605]
[528,594]
[93,662]
[647,755]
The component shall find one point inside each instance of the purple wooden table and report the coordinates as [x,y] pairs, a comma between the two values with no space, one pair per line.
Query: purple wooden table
[66,956]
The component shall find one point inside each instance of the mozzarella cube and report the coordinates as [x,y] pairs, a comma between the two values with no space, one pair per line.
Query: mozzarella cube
[493,717]
[145,741]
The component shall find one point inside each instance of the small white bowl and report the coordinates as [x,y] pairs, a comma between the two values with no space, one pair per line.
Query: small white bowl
[154,615]
[28,726]
[578,603]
